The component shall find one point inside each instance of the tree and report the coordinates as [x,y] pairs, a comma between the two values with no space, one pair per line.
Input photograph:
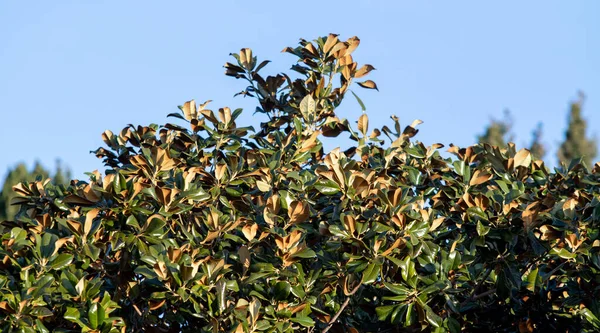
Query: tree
[207,226]
[20,174]
[576,145]
[537,147]
[497,133]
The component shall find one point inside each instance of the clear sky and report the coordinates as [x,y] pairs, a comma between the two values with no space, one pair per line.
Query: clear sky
[71,69]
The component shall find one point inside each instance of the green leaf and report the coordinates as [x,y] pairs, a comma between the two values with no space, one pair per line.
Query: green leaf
[415,151]
[40,311]
[397,289]
[482,230]
[360,102]
[371,273]
[532,280]
[155,227]
[263,186]
[432,317]
[563,253]
[477,212]
[304,321]
[48,244]
[384,312]
[590,317]
[62,261]
[72,314]
[40,328]
[453,325]
[132,222]
[96,315]
[198,194]
[281,290]
[327,187]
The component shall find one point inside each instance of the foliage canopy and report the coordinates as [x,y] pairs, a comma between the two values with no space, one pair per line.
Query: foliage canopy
[210,227]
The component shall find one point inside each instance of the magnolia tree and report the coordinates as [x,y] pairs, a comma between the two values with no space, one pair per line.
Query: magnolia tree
[206,226]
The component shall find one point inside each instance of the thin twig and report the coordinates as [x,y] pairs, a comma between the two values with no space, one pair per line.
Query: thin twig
[549,275]
[344,305]
[480,283]
[476,297]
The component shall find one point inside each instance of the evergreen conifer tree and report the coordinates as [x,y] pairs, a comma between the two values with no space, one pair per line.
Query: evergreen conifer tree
[537,147]
[497,133]
[576,144]
[20,174]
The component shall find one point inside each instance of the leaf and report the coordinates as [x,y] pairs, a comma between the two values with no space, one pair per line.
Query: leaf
[364,70]
[436,223]
[96,315]
[432,317]
[189,110]
[244,257]
[360,102]
[353,43]
[40,312]
[246,58]
[532,280]
[62,261]
[298,212]
[363,124]
[368,85]
[397,289]
[156,305]
[308,107]
[327,187]
[481,229]
[590,317]
[261,65]
[304,321]
[530,214]
[250,231]
[371,273]
[176,115]
[89,220]
[72,314]
[384,312]
[523,158]
[281,290]
[155,226]
[263,186]
[221,287]
[332,40]
[480,177]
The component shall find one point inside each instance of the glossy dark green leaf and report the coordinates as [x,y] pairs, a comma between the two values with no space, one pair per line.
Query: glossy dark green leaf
[96,315]
[371,273]
[61,261]
[304,321]
[281,290]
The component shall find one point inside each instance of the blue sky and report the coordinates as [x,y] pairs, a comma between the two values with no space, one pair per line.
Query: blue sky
[71,69]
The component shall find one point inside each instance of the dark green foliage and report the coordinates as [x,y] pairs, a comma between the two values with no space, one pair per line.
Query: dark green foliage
[20,174]
[210,227]
[576,145]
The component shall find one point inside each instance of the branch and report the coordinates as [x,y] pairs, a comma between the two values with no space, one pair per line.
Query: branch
[480,283]
[476,297]
[549,275]
[344,305]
